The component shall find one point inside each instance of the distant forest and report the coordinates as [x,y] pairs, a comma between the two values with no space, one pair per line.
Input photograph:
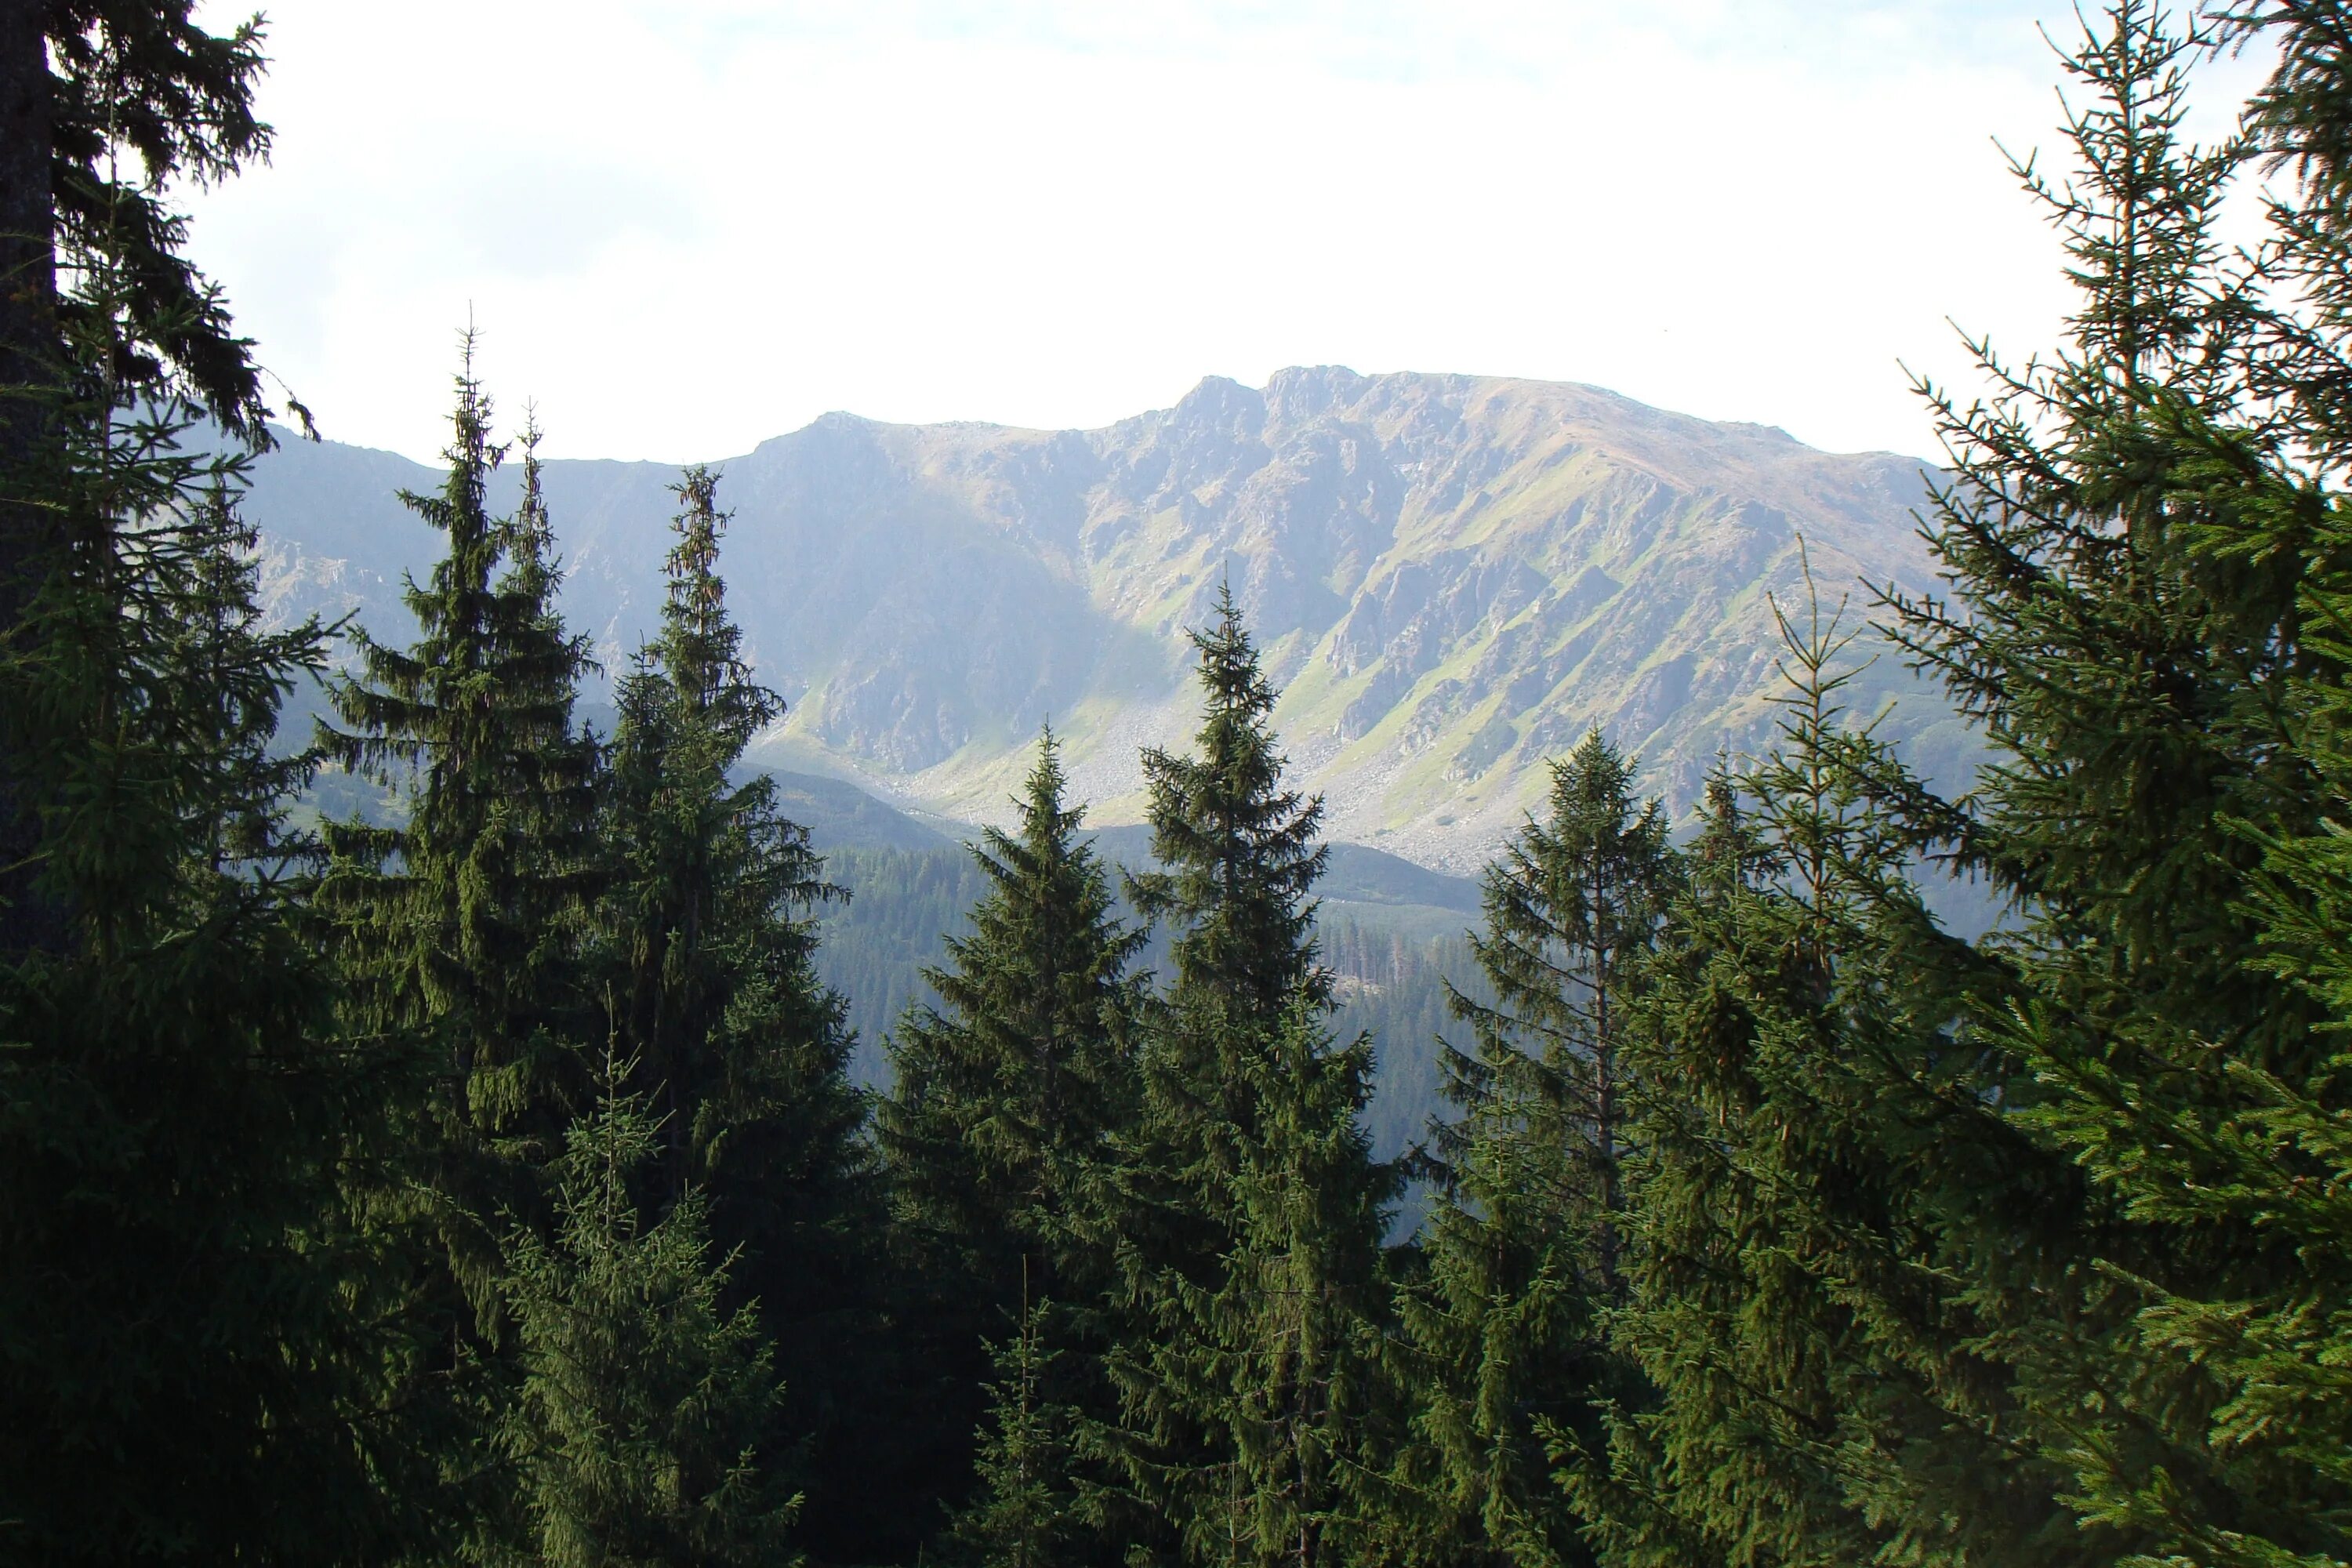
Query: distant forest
[437,1141]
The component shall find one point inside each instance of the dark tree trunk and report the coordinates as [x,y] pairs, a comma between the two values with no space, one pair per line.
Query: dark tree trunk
[28,351]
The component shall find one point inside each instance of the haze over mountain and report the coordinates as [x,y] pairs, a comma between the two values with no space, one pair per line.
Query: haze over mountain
[1453,576]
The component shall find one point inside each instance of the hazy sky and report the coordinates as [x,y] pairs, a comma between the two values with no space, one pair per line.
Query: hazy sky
[683,227]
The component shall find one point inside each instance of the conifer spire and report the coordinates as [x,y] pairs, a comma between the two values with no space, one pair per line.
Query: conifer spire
[1008,1100]
[1504,1338]
[1252,1230]
[1006,1090]
[464,920]
[1239,851]
[706,933]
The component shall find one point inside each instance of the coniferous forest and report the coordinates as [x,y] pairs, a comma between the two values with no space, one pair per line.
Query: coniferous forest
[482,1182]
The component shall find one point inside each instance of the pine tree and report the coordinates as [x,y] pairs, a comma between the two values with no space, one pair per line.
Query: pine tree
[460,926]
[2150,625]
[103,106]
[710,923]
[1025,1511]
[644,1396]
[998,1127]
[1503,1341]
[193,1332]
[1253,1224]
[1819,1169]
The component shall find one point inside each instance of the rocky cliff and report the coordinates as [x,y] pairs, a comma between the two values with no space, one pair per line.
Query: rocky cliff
[1454,576]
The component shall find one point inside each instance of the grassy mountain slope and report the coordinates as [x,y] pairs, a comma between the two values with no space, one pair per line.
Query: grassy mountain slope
[1453,575]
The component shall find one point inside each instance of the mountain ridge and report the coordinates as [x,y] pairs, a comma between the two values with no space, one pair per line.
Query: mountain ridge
[1453,576]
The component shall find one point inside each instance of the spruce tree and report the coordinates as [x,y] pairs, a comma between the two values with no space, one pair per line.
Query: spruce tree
[195,1334]
[708,924]
[1253,1209]
[2016,1342]
[644,1395]
[2148,564]
[1503,1339]
[459,926]
[1005,1092]
[459,937]
[2245,1375]
[1277,1359]
[1025,1512]
[999,1130]
[738,1048]
[1817,1171]
[104,105]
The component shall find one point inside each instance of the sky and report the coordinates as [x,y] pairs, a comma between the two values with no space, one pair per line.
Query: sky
[682,226]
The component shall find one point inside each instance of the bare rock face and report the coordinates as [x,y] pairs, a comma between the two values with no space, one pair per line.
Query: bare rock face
[1453,577]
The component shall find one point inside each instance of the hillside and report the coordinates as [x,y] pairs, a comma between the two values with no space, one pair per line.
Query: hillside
[1453,575]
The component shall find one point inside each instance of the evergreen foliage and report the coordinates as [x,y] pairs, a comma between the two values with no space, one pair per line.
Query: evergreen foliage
[1240,855]
[1502,1342]
[1006,1093]
[644,1395]
[103,103]
[709,917]
[192,1362]
[902,906]
[1821,1175]
[460,926]
[1253,1211]
[1776,1227]
[459,935]
[738,1044]
[999,1129]
[2144,550]
[141,94]
[1395,985]
[1026,1512]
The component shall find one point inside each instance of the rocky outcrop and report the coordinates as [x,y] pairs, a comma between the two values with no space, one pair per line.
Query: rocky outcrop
[1454,577]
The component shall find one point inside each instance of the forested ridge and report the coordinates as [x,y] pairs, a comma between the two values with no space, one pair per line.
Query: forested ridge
[484,1180]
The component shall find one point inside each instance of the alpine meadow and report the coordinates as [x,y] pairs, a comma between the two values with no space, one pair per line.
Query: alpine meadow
[1379,971]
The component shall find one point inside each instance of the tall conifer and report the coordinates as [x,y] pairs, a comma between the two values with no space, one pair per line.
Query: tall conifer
[459,934]
[1009,1089]
[1504,1337]
[1000,1127]
[1815,1166]
[1964,1287]
[1254,1226]
[738,1048]
[193,1355]
[2146,556]
[104,105]
[460,922]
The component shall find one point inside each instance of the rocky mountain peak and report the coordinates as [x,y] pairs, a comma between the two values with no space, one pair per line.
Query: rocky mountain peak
[1454,577]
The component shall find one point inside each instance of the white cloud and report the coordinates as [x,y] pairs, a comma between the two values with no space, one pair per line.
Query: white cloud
[689,226]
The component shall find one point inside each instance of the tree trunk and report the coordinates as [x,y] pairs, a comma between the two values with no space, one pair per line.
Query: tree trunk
[29,351]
